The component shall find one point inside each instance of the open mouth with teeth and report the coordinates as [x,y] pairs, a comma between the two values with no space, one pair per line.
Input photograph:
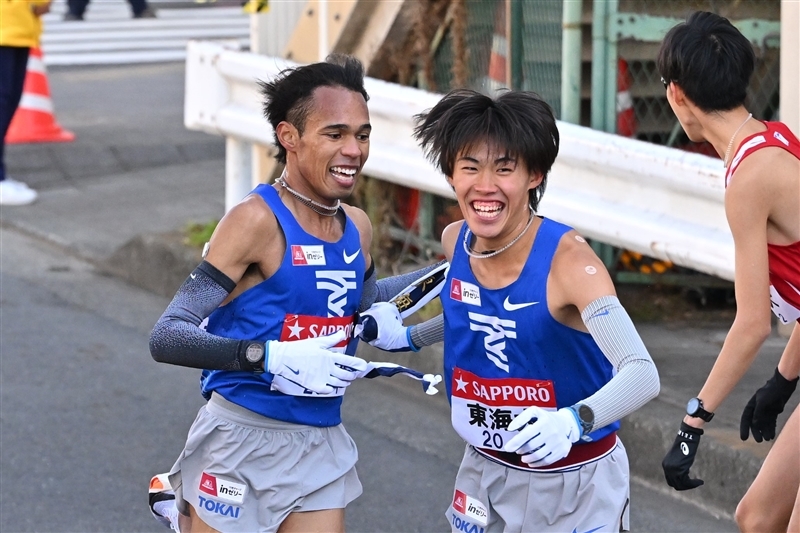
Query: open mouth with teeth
[487,210]
[344,175]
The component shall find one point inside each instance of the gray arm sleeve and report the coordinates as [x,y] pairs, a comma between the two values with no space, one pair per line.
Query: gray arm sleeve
[428,332]
[383,290]
[636,381]
[177,338]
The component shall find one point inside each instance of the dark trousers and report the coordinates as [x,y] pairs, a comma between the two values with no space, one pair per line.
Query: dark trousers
[13,66]
[78,7]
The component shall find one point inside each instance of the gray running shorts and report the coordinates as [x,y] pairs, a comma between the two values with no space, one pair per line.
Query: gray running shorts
[491,497]
[244,472]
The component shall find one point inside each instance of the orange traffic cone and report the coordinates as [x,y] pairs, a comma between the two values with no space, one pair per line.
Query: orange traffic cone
[626,116]
[34,120]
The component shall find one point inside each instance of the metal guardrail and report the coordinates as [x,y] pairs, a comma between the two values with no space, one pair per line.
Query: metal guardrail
[658,201]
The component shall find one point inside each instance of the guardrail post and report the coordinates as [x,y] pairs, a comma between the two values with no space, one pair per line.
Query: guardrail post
[604,89]
[238,171]
[571,62]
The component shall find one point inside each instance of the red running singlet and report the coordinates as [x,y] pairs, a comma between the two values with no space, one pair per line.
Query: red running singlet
[784,261]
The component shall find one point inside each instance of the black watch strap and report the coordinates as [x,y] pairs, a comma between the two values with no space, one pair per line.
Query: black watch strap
[253,356]
[695,409]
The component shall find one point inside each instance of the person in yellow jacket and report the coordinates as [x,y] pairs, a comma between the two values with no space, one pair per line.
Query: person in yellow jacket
[20,28]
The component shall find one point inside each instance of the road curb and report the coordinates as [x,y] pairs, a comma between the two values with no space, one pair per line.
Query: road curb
[158,263]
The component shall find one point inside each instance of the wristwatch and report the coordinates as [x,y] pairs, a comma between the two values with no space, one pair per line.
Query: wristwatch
[585,417]
[254,354]
[695,409]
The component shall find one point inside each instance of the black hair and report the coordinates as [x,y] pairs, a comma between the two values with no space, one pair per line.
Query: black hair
[709,59]
[519,122]
[289,96]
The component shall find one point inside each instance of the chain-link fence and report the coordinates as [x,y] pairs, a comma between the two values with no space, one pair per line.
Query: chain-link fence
[490,44]
[757,19]
[490,60]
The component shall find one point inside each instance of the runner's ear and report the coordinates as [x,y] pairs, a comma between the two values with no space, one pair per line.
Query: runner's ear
[287,135]
[535,180]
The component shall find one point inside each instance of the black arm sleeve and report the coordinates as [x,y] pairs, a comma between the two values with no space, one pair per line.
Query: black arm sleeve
[177,338]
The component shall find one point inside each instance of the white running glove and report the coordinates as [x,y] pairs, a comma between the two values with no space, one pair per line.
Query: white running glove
[547,439]
[311,364]
[382,327]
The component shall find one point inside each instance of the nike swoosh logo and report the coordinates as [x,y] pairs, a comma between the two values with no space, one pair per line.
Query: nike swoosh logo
[193,275]
[508,306]
[604,312]
[575,530]
[349,258]
[295,372]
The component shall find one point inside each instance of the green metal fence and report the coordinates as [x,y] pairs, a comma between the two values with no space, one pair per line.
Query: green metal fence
[609,65]
[630,30]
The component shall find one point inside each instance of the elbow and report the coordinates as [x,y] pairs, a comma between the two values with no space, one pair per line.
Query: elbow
[157,351]
[654,384]
[764,332]
[655,387]
[758,330]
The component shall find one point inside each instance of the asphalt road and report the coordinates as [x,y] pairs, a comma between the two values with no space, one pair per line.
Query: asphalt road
[86,416]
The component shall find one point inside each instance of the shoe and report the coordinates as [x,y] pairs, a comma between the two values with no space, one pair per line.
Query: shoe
[16,193]
[148,13]
[72,16]
[162,501]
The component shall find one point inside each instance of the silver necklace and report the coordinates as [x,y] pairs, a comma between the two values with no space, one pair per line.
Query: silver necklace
[320,209]
[488,254]
[730,144]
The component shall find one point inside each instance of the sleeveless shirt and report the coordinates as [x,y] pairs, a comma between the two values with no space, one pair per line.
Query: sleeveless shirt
[504,351]
[315,292]
[784,261]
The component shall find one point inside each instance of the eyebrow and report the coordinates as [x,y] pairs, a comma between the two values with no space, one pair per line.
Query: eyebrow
[498,161]
[365,126]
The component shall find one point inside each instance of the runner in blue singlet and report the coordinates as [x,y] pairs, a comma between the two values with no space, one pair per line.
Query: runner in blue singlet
[541,360]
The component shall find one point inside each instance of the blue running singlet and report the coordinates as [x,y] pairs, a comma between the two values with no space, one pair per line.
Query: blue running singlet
[504,352]
[315,292]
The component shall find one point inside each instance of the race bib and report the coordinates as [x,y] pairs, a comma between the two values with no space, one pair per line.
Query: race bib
[785,311]
[299,327]
[483,408]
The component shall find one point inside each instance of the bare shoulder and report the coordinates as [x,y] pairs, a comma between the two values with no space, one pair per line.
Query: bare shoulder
[572,252]
[769,169]
[753,185]
[359,218]
[362,223]
[250,214]
[449,237]
[580,276]
[243,235]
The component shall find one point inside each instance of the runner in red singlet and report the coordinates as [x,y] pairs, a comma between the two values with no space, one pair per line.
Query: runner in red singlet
[706,64]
